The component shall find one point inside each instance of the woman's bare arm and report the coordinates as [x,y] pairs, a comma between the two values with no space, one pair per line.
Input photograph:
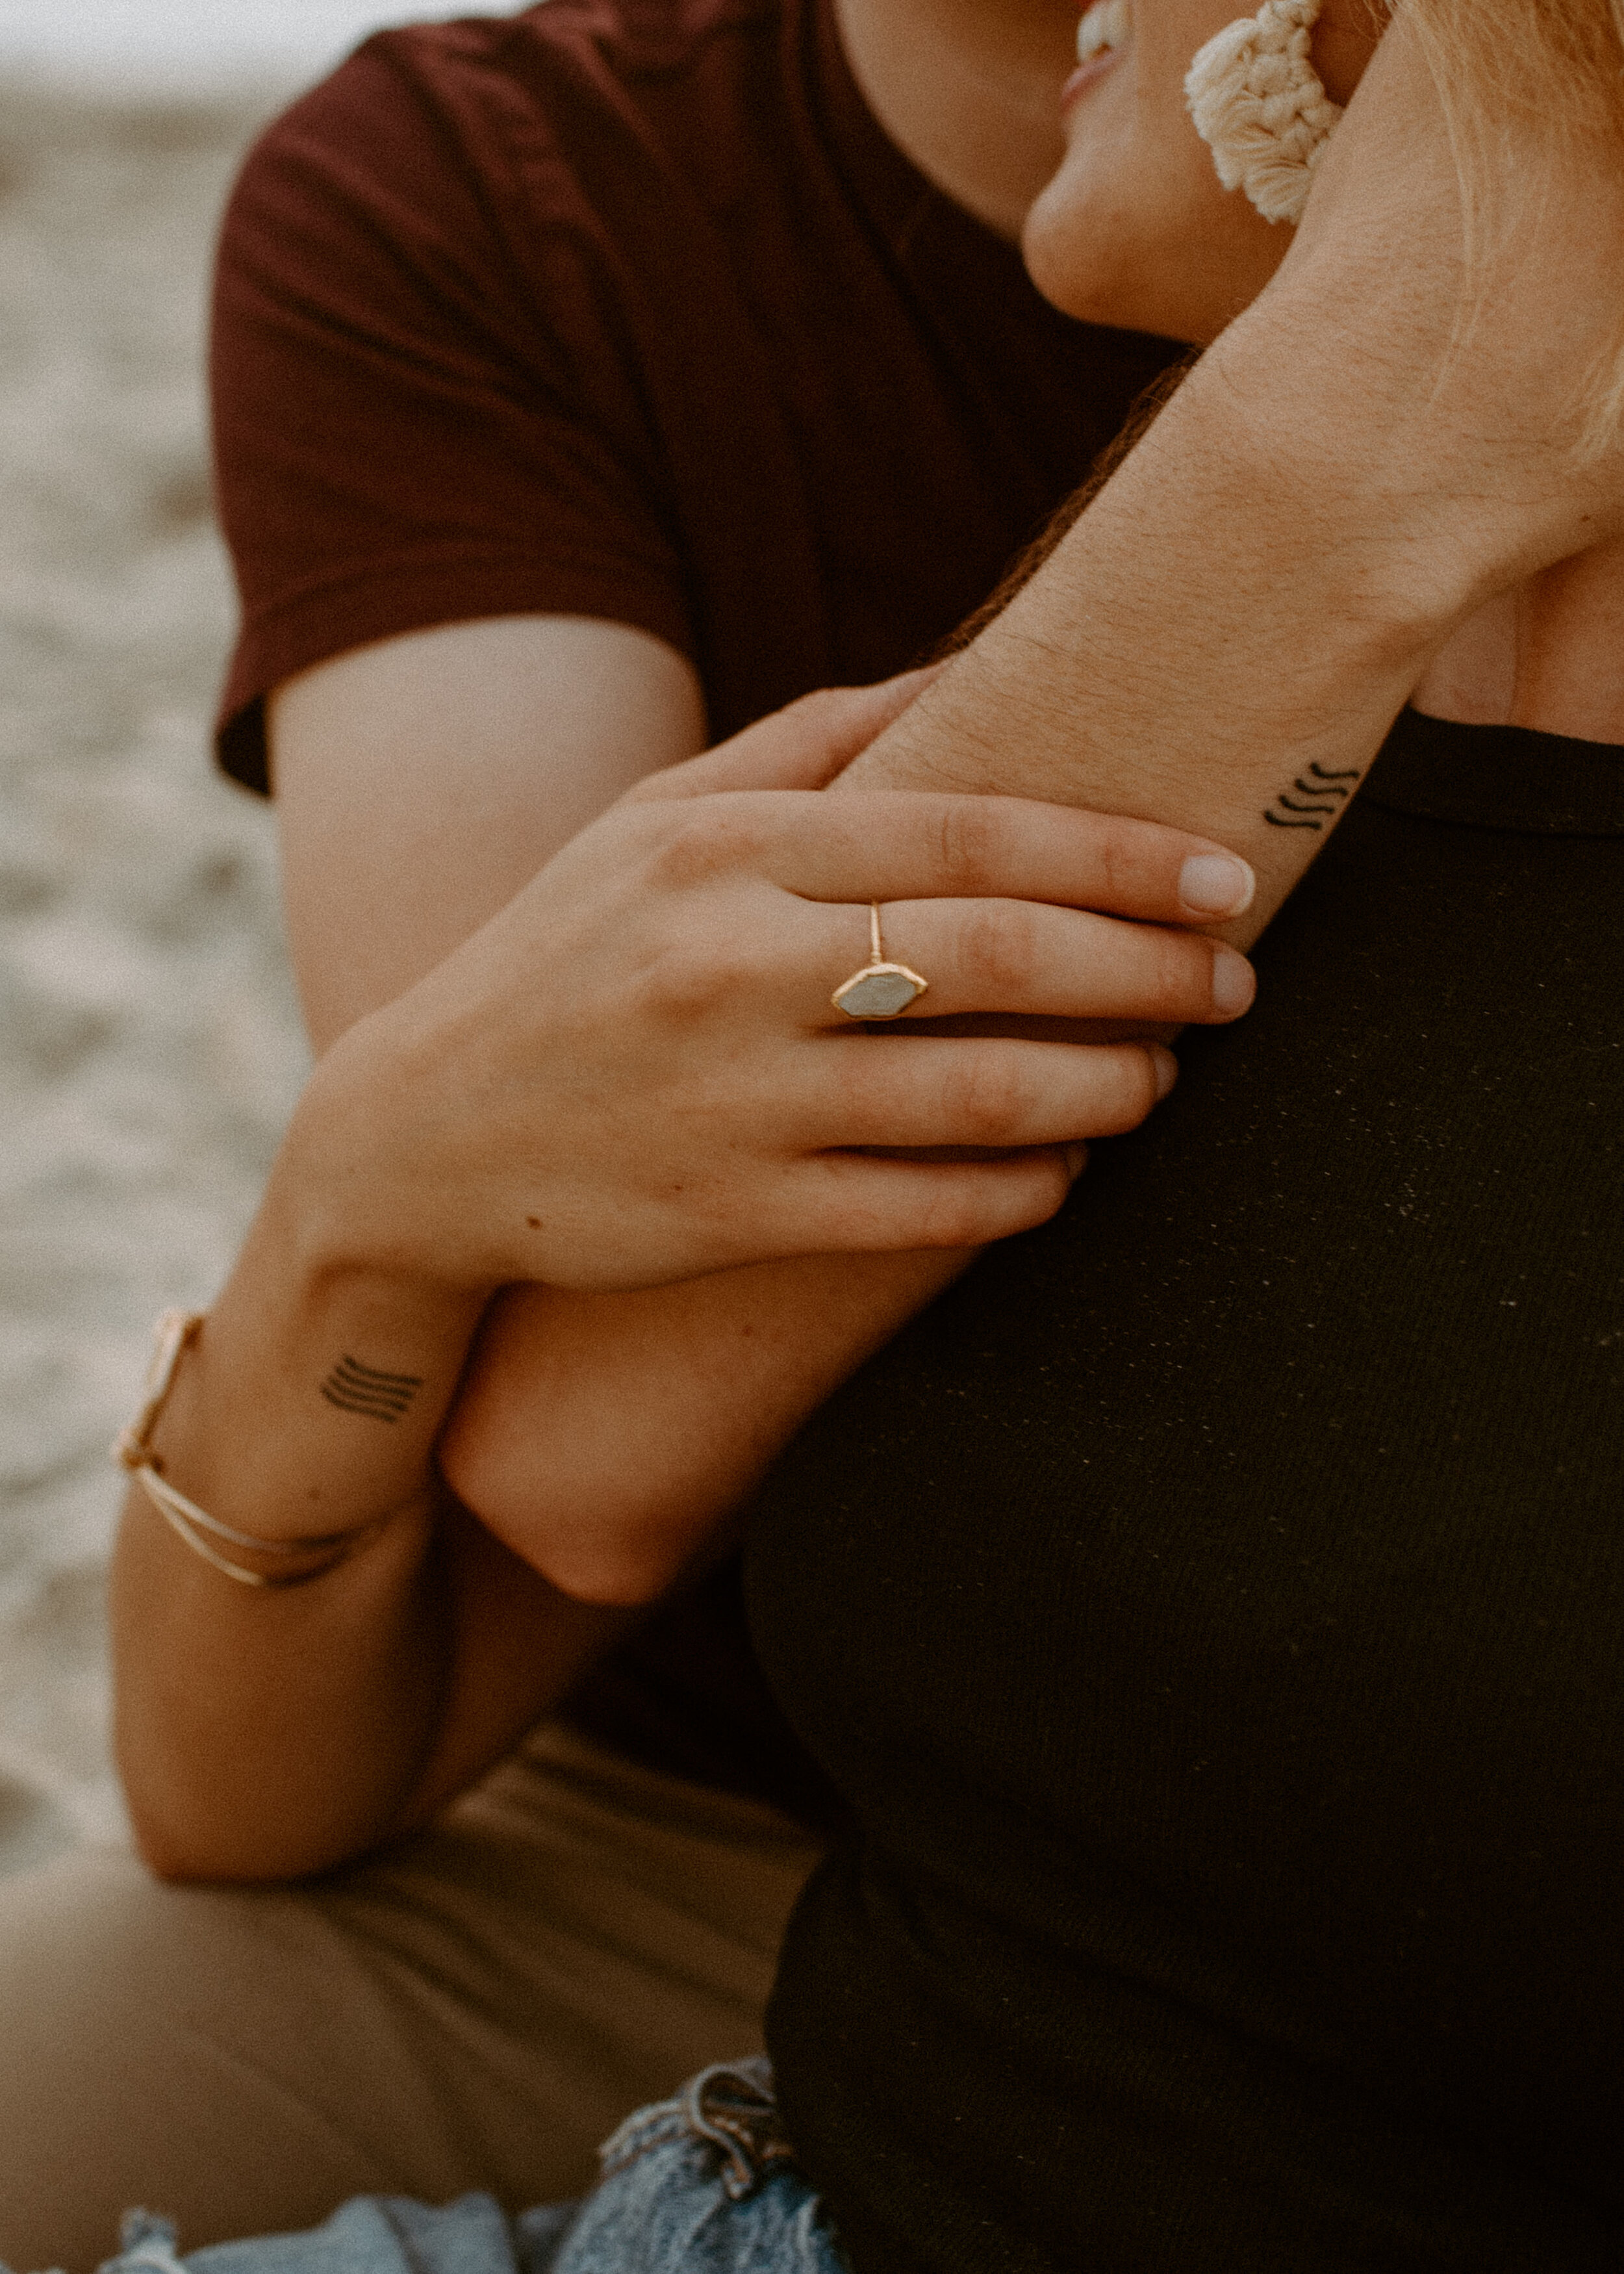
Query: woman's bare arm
[421,784]
[264,1736]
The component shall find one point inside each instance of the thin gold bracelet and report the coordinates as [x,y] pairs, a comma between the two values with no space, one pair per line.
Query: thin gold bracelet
[173,1335]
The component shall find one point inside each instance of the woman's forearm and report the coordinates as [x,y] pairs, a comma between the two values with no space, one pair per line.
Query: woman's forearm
[268,1731]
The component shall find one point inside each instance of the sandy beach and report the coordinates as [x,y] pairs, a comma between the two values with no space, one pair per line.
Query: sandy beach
[149,1044]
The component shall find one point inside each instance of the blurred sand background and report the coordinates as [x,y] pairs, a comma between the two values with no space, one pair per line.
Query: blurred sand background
[149,1044]
[150,1048]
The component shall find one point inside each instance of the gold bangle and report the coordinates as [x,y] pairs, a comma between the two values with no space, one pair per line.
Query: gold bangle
[173,1335]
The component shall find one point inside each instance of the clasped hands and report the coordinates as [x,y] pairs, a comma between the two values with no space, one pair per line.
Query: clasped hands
[633,1075]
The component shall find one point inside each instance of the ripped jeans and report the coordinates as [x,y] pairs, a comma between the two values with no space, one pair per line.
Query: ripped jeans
[702,2184]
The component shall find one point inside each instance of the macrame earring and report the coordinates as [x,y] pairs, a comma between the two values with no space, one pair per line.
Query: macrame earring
[1259,105]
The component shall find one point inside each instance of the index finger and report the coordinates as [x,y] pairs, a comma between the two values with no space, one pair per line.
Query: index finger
[892,845]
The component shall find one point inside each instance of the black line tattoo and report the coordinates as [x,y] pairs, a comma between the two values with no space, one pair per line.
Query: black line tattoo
[364,1389]
[1325,794]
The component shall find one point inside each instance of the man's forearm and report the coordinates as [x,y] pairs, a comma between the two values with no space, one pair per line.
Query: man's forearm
[1293,655]
[1352,469]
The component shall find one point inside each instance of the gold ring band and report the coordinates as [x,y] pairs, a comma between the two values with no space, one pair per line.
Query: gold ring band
[880,989]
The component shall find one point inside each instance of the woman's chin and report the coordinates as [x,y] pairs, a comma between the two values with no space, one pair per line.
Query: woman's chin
[1134,230]
[1089,268]
[1096,258]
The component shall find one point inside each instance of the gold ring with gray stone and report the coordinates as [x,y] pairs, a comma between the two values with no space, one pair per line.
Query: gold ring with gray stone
[880,989]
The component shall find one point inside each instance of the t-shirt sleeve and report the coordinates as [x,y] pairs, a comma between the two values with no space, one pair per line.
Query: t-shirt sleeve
[426,391]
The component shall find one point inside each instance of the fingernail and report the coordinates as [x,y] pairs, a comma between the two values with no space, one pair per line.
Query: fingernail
[1075,1160]
[1167,1070]
[1215,884]
[1234,984]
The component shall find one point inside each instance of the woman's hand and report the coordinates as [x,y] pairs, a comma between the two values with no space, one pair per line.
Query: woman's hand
[634,1073]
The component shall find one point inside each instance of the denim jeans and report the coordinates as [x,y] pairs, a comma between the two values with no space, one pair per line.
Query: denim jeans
[702,2184]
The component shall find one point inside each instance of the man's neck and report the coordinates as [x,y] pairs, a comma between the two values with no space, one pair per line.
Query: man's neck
[969,90]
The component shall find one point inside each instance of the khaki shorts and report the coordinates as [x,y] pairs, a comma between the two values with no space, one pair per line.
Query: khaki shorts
[478,2008]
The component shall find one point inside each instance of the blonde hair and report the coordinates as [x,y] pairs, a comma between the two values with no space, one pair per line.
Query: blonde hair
[1500,64]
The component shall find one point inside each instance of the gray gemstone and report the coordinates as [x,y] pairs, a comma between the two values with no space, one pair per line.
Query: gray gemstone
[877,994]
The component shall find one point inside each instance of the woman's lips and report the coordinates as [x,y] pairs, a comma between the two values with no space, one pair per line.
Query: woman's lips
[1101,33]
[1084,76]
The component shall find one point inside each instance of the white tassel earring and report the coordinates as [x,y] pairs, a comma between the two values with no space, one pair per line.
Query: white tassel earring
[1259,105]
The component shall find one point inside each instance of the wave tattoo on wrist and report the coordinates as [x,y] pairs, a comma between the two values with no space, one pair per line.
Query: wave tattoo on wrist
[1320,793]
[364,1389]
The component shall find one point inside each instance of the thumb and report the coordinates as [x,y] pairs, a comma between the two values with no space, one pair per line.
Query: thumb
[803,747]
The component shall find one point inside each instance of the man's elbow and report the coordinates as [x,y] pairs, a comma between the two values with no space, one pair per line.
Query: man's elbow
[598,1535]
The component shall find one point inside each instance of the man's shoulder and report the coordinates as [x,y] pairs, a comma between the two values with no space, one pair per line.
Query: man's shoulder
[633,36]
[567,109]
[487,78]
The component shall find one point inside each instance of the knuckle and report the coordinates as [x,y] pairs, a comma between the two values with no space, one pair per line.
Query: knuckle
[956,1210]
[1130,868]
[1101,851]
[711,840]
[1010,1196]
[985,1099]
[955,1219]
[1130,1093]
[686,979]
[967,835]
[1159,973]
[1180,970]
[853,1087]
[1115,867]
[1040,1193]
[999,947]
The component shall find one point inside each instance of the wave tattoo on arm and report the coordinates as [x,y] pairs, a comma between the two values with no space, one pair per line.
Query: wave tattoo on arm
[364,1389]
[1320,793]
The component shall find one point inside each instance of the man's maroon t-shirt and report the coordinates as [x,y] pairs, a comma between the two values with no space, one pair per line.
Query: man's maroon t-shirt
[630,309]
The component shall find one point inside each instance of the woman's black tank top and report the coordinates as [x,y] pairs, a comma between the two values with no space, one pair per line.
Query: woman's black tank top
[1212,1610]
